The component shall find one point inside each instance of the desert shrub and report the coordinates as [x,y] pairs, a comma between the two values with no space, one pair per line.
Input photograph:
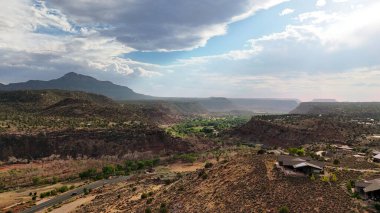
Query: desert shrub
[119,168]
[90,173]
[108,171]
[144,195]
[53,192]
[208,165]
[72,187]
[63,189]
[149,201]
[333,178]
[179,175]
[99,176]
[54,180]
[36,180]
[34,197]
[134,189]
[163,208]
[148,210]
[86,191]
[336,162]
[376,206]
[355,195]
[350,184]
[167,181]
[312,177]
[150,193]
[224,161]
[284,209]
[261,152]
[131,165]
[297,151]
[188,158]
[325,178]
[202,174]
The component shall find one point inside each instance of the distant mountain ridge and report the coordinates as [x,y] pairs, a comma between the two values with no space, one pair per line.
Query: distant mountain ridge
[361,109]
[77,82]
[324,100]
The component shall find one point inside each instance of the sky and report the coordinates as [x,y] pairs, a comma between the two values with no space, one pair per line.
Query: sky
[303,49]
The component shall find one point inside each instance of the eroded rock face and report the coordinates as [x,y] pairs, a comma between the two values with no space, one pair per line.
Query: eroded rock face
[93,143]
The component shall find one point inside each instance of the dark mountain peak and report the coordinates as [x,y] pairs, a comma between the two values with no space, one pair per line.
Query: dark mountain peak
[77,82]
[73,76]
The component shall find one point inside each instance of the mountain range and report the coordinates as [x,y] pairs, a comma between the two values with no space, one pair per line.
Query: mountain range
[77,82]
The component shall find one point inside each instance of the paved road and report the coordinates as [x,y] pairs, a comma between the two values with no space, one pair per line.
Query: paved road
[69,194]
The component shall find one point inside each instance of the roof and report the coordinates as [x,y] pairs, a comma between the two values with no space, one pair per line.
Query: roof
[370,185]
[306,164]
[345,147]
[377,156]
[296,162]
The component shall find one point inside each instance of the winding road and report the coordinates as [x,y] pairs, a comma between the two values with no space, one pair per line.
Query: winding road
[63,197]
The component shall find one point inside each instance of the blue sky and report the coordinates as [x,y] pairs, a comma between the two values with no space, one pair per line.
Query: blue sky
[244,48]
[261,23]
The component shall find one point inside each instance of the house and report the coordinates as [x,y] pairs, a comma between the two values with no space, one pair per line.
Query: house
[368,189]
[345,147]
[303,165]
[376,158]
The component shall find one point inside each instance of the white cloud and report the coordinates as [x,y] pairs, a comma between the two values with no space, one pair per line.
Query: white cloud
[74,46]
[165,25]
[321,3]
[357,84]
[286,11]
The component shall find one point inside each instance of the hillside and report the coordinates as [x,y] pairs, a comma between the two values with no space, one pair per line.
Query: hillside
[241,184]
[77,82]
[46,105]
[39,123]
[34,100]
[292,131]
[136,138]
[358,109]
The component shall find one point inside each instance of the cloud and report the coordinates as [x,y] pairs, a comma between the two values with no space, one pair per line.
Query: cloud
[286,11]
[163,25]
[30,31]
[321,3]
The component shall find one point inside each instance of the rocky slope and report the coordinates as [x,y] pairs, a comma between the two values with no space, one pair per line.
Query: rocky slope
[243,184]
[293,130]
